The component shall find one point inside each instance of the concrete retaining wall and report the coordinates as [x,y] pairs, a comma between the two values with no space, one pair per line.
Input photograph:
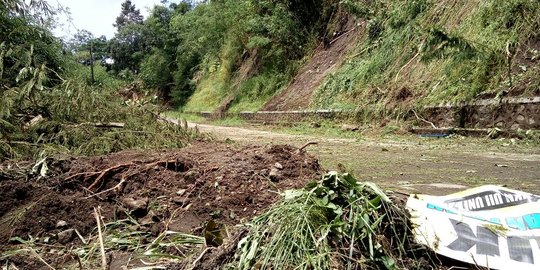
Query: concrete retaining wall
[506,113]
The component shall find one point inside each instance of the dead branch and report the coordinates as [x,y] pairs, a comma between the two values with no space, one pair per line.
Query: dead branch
[306,145]
[424,120]
[342,35]
[403,67]
[110,125]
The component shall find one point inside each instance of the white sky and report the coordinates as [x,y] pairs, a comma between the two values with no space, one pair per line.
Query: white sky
[96,16]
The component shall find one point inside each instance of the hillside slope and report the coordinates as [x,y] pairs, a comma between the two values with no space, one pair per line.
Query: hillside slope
[388,56]
[326,59]
[425,52]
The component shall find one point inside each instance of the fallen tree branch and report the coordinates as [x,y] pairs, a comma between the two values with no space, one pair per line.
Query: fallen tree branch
[110,125]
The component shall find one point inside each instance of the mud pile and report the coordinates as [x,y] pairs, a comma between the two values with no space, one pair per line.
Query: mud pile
[176,190]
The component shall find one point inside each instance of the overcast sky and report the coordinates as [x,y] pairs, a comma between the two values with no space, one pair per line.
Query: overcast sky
[96,16]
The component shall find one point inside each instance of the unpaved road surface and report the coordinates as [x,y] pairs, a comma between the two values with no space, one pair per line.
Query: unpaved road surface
[411,164]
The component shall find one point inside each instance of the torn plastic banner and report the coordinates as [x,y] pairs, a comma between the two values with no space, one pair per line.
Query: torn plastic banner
[490,226]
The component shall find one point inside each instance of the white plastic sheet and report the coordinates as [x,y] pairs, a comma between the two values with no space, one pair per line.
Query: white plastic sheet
[490,226]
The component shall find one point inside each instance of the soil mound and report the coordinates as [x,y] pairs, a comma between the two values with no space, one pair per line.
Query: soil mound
[176,190]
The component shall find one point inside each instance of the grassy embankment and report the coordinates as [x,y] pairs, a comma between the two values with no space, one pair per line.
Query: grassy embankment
[410,54]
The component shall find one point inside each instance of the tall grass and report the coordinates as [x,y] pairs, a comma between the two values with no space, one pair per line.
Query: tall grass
[441,51]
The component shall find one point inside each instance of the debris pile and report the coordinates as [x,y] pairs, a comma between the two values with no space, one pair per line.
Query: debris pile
[151,204]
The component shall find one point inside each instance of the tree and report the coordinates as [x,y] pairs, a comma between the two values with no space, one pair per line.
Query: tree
[128,15]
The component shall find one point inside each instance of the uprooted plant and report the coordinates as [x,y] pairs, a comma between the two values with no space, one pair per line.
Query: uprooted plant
[70,116]
[337,223]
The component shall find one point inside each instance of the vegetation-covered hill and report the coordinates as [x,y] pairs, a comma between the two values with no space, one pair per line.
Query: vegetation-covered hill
[240,53]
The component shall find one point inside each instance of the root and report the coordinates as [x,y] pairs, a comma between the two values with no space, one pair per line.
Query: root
[424,120]
[99,179]
[98,182]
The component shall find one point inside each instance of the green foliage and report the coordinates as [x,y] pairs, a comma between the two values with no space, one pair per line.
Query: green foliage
[25,44]
[128,47]
[74,112]
[212,40]
[336,223]
[128,15]
[439,51]
[154,70]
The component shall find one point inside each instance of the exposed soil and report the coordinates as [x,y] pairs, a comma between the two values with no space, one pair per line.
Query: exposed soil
[298,95]
[176,190]
[410,164]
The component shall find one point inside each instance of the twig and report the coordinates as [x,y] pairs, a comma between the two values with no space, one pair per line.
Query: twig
[306,145]
[194,265]
[102,247]
[424,120]
[341,35]
[410,61]
[40,258]
[81,237]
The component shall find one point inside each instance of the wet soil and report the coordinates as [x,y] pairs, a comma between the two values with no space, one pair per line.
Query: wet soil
[176,190]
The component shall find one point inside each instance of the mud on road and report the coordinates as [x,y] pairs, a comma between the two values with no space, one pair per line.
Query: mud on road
[172,190]
[409,163]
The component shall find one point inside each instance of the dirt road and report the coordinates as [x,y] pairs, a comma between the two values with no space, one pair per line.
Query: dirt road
[410,163]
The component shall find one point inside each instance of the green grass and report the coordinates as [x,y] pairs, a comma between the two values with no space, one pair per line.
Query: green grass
[439,51]
[187,116]
[327,129]
[335,223]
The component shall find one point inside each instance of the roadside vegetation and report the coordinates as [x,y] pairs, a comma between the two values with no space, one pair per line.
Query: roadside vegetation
[235,55]
[49,105]
[417,53]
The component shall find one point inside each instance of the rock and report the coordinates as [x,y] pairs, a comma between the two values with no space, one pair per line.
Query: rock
[66,236]
[181,192]
[61,224]
[278,166]
[156,229]
[137,207]
[273,175]
[191,176]
[347,127]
